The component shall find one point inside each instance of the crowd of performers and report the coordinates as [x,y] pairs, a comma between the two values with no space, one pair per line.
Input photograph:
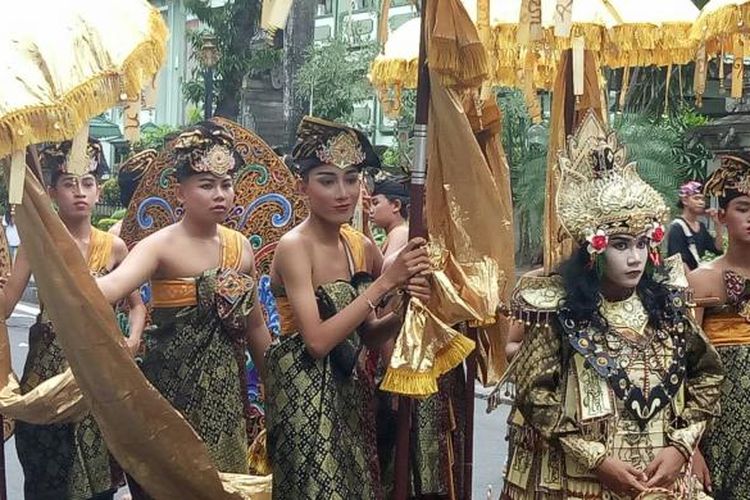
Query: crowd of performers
[630,375]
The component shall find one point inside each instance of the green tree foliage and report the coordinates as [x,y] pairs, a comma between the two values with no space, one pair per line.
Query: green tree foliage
[154,137]
[334,78]
[241,51]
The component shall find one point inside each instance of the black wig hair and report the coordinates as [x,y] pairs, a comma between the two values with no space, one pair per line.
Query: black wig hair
[583,286]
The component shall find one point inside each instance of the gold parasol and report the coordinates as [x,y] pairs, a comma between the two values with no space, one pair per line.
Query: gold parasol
[720,22]
[651,33]
[721,27]
[67,61]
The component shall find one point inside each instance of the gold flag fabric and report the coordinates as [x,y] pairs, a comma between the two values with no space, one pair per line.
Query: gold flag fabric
[148,437]
[468,227]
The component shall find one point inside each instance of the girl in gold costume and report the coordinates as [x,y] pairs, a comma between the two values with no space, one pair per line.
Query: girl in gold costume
[327,282]
[724,284]
[615,383]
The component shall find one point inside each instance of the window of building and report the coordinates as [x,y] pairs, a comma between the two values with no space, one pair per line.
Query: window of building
[325,8]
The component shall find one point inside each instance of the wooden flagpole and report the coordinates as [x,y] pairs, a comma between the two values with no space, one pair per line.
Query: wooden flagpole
[416,228]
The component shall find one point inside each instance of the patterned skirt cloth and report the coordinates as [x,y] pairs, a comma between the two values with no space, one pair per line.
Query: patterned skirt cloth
[726,445]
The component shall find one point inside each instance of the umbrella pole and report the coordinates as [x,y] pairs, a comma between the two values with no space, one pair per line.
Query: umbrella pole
[471,375]
[416,228]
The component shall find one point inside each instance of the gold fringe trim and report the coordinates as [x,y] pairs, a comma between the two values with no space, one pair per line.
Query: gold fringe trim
[650,44]
[409,383]
[452,355]
[720,25]
[61,120]
[394,72]
[257,456]
[464,66]
[422,384]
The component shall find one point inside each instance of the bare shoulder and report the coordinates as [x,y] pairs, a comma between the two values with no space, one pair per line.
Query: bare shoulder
[119,248]
[248,257]
[707,279]
[295,241]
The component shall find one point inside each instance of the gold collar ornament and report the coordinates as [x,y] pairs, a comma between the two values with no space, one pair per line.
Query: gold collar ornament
[218,161]
[342,151]
[628,314]
[600,195]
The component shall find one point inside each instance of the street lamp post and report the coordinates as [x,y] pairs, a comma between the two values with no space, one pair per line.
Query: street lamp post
[209,56]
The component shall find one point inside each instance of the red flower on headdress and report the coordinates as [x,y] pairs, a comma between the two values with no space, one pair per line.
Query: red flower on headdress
[598,242]
[656,234]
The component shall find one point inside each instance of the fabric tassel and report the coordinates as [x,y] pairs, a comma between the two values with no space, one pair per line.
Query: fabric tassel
[578,66]
[563,18]
[699,79]
[131,117]
[37,124]
[17,177]
[455,51]
[78,163]
[738,68]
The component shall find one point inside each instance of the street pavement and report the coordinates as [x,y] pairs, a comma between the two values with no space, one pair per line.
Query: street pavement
[490,447]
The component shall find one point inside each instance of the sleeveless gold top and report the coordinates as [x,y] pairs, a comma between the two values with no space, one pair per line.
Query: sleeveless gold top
[182,292]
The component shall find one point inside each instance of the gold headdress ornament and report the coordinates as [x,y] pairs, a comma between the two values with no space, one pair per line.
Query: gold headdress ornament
[207,147]
[54,158]
[600,195]
[321,142]
[732,176]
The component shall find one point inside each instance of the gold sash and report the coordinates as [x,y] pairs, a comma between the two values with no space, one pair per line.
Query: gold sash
[726,329]
[181,292]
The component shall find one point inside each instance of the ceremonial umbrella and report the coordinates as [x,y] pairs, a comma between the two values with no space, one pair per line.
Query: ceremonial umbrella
[66,61]
[721,27]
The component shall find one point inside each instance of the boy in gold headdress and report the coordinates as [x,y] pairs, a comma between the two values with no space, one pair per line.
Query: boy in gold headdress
[68,461]
[615,382]
[204,303]
[328,286]
[725,284]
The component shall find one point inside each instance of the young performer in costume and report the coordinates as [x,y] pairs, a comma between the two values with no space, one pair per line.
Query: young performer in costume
[389,210]
[615,382]
[325,278]
[203,297]
[68,461]
[725,285]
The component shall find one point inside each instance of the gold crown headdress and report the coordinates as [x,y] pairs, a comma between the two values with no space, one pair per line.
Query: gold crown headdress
[321,142]
[731,178]
[207,148]
[599,194]
[54,157]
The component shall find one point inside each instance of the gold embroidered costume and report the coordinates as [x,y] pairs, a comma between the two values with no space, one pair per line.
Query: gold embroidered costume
[725,445]
[319,412]
[625,387]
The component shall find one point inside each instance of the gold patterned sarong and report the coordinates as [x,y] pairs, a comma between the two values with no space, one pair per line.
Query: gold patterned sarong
[62,459]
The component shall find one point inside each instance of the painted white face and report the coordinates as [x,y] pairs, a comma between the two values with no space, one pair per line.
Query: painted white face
[625,261]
